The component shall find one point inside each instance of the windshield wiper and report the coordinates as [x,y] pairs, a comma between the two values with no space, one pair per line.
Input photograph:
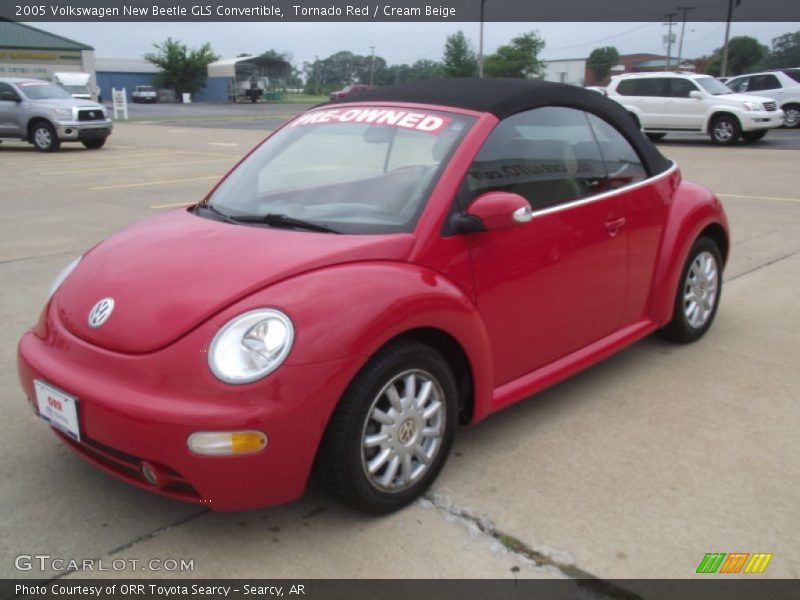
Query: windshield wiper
[221,215]
[278,220]
[271,219]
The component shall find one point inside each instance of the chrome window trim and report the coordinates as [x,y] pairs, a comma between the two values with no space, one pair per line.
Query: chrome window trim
[604,195]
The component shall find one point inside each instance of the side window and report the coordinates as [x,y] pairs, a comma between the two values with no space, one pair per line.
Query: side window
[547,155]
[648,86]
[622,162]
[680,88]
[627,87]
[739,85]
[764,82]
[6,90]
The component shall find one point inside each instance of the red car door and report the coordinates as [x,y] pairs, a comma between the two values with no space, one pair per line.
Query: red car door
[557,283]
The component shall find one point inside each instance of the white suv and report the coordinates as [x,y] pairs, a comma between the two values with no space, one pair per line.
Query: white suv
[684,102]
[782,86]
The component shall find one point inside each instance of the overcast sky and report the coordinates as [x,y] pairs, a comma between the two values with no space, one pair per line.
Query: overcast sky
[400,42]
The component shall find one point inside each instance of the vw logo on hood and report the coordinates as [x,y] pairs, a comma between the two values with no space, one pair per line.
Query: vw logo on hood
[100,312]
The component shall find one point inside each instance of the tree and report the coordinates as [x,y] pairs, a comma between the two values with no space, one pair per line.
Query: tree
[600,62]
[518,58]
[459,58]
[182,69]
[341,69]
[421,69]
[744,53]
[785,52]
[275,55]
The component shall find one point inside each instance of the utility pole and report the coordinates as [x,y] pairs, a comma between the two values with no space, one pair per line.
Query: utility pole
[371,64]
[316,75]
[684,10]
[480,43]
[724,69]
[669,37]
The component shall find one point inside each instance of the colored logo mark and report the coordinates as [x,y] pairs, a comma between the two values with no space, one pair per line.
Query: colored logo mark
[736,562]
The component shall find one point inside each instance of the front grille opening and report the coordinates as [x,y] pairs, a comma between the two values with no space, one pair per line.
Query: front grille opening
[90,115]
[128,467]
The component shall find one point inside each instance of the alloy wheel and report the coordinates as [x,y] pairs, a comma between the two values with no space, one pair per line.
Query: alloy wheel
[403,431]
[700,289]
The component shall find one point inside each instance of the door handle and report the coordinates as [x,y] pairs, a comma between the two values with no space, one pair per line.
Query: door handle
[613,227]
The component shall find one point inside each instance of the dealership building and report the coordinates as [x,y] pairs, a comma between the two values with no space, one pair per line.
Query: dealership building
[26,51]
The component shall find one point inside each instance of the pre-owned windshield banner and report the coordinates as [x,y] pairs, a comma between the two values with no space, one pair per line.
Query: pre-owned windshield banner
[402,10]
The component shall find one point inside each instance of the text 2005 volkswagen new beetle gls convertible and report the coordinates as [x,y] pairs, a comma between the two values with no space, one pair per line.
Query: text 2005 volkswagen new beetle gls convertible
[370,275]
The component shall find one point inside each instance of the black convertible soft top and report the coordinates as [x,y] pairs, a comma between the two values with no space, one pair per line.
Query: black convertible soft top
[506,97]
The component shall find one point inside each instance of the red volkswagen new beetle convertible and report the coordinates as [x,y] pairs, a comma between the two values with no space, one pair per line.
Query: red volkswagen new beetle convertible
[370,275]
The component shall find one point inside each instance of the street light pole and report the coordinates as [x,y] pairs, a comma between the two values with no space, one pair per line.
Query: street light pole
[480,43]
[371,63]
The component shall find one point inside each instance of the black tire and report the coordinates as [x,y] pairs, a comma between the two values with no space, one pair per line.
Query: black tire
[341,465]
[680,329]
[754,136]
[725,130]
[654,137]
[43,137]
[791,118]
[95,143]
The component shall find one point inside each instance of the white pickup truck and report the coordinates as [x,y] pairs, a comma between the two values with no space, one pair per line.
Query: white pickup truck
[45,115]
[76,84]
[144,93]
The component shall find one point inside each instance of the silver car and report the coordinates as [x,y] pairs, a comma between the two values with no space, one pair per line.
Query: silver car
[45,115]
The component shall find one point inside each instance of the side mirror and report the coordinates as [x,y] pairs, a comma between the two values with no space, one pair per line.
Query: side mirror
[696,95]
[495,211]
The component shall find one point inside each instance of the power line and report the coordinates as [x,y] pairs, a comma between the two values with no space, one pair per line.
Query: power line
[610,37]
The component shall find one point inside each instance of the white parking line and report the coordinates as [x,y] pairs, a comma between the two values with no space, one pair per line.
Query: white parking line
[174,204]
[148,183]
[222,143]
[745,197]
[139,166]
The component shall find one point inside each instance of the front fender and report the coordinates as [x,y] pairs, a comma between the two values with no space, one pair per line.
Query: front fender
[352,310]
[693,209]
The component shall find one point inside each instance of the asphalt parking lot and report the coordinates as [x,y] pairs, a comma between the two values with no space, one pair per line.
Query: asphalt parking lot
[634,469]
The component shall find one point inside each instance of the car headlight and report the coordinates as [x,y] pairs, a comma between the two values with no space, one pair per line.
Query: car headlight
[752,106]
[251,346]
[62,276]
[63,112]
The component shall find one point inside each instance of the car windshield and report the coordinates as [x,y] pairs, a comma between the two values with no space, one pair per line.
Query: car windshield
[42,91]
[794,74]
[144,88]
[354,170]
[76,89]
[713,86]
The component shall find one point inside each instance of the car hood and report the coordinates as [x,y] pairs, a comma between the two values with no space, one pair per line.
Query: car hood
[66,103]
[737,98]
[170,273]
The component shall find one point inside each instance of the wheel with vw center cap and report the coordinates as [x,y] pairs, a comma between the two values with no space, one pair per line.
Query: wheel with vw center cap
[391,433]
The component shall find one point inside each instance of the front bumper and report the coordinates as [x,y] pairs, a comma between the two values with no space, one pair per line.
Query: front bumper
[83,130]
[135,408]
[752,121]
